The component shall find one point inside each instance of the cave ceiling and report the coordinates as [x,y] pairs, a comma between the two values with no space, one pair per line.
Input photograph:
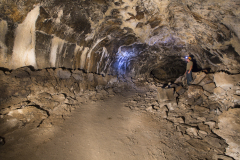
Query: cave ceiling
[127,37]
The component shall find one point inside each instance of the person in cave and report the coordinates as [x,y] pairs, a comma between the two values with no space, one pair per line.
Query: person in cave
[188,72]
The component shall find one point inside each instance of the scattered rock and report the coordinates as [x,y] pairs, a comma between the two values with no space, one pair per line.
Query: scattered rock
[211,124]
[165,95]
[215,142]
[180,90]
[21,72]
[32,97]
[179,80]
[229,129]
[199,78]
[166,98]
[199,144]
[149,109]
[194,91]
[163,112]
[193,132]
[209,87]
[200,109]
[58,97]
[219,91]
[78,75]
[205,81]
[202,133]
[204,127]
[64,74]
[176,120]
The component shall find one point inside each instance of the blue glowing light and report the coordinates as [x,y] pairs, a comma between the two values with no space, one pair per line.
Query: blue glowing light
[124,58]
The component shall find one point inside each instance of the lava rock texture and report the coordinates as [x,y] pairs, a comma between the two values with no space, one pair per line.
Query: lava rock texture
[136,38]
[44,97]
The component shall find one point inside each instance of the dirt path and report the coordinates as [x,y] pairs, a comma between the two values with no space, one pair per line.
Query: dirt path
[102,130]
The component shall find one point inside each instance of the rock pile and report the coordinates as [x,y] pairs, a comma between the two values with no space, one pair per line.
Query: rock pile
[198,111]
[43,98]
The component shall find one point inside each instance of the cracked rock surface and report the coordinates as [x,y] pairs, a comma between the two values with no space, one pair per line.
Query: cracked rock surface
[116,118]
[125,37]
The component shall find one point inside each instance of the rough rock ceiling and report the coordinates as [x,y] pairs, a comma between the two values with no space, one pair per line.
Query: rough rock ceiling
[126,37]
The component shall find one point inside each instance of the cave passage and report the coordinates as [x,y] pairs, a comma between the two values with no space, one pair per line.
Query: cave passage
[100,79]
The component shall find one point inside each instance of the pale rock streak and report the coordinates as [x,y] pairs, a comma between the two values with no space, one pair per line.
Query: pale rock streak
[24,43]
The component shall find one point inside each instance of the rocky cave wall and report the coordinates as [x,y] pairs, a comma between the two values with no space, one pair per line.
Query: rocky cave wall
[121,37]
[46,96]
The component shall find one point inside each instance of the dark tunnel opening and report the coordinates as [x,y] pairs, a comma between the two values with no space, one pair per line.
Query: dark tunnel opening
[169,69]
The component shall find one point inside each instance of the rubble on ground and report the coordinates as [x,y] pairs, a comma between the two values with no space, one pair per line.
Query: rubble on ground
[205,113]
[205,110]
[44,97]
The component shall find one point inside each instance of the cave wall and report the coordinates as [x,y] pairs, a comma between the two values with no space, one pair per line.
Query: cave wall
[125,37]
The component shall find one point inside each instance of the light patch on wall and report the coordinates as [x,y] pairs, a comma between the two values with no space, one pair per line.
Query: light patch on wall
[83,57]
[104,54]
[56,48]
[90,52]
[24,43]
[123,58]
[77,49]
[3,47]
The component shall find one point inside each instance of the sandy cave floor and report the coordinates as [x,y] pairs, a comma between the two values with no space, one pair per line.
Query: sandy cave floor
[102,130]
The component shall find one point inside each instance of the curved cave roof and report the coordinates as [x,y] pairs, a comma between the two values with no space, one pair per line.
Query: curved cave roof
[122,37]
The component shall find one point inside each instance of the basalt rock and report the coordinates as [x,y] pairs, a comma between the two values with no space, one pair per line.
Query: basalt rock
[133,38]
[229,130]
[38,98]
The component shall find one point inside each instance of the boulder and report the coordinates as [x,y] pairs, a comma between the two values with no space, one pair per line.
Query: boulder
[176,120]
[194,91]
[10,124]
[29,113]
[180,90]
[179,80]
[200,109]
[219,91]
[205,80]
[63,109]
[165,95]
[199,78]
[162,112]
[211,124]
[59,97]
[209,87]
[90,77]
[216,142]
[199,144]
[21,72]
[204,127]
[63,74]
[193,132]
[226,81]
[77,77]
[16,118]
[202,133]
[166,98]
